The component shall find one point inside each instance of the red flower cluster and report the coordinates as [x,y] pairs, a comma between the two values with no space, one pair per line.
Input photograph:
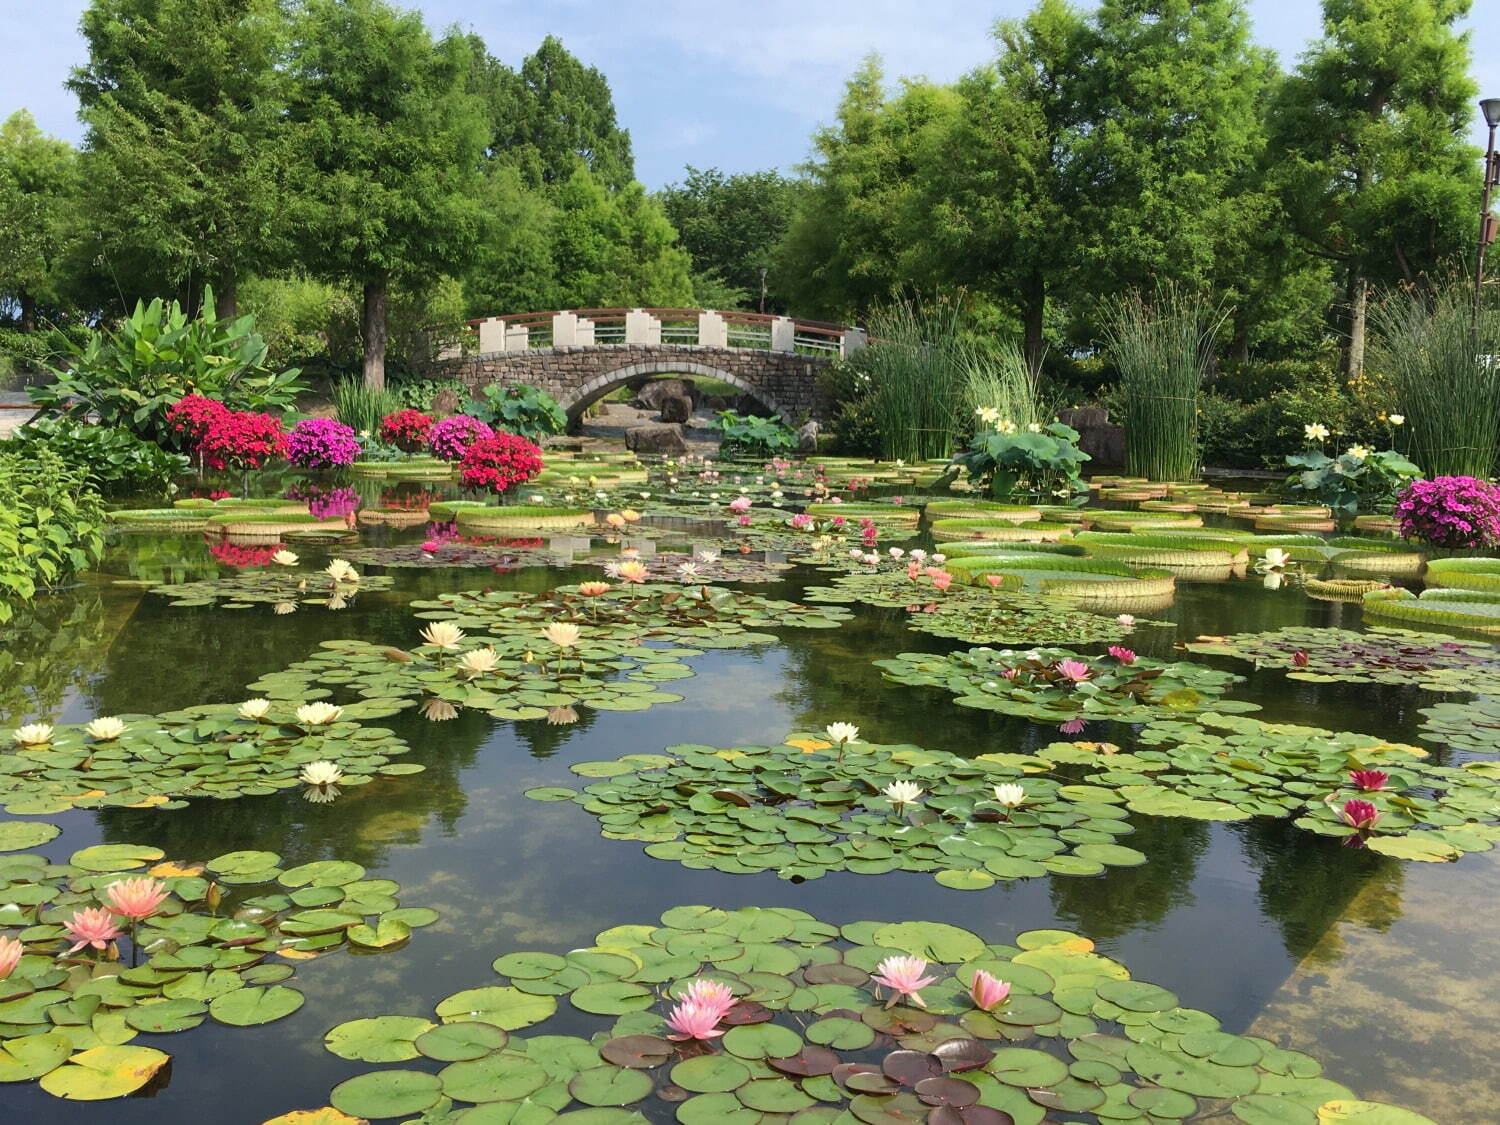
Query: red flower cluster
[191,417]
[242,439]
[241,556]
[499,462]
[406,430]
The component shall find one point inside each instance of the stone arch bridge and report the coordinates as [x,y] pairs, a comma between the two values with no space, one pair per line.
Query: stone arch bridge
[578,356]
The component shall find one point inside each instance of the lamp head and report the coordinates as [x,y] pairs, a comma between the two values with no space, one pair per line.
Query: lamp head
[1490,107]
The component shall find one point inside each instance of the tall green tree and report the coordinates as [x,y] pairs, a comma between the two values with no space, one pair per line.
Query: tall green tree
[730,225]
[184,164]
[1375,174]
[38,200]
[615,248]
[389,141]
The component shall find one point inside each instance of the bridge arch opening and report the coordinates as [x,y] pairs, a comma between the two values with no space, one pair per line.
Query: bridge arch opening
[600,385]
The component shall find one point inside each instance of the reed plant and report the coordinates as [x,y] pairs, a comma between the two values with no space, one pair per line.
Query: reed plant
[916,376]
[361,408]
[1162,345]
[997,377]
[1443,363]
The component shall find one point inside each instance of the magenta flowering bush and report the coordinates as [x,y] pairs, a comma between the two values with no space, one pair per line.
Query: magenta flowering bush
[450,437]
[1453,512]
[321,443]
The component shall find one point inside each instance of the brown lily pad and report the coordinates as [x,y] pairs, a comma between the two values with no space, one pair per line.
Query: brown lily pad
[637,1052]
[911,1067]
[962,1054]
[953,1092]
[811,1060]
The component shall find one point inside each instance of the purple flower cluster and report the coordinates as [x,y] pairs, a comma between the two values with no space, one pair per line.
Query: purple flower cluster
[321,443]
[325,503]
[451,436]
[1453,512]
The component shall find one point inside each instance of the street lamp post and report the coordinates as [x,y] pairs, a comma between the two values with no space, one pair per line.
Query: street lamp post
[1488,224]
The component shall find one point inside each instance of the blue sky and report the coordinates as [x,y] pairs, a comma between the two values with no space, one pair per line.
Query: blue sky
[703,82]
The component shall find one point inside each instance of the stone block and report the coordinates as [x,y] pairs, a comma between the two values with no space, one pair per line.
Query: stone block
[676,408]
[655,437]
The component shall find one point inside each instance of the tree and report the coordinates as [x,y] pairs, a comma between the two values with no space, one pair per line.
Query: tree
[615,248]
[730,226]
[1374,171]
[183,166]
[389,142]
[38,199]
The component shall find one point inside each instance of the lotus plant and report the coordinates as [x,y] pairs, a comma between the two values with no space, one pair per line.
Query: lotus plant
[987,991]
[105,729]
[903,976]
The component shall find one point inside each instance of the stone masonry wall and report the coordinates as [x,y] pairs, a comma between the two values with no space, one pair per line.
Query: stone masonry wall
[576,376]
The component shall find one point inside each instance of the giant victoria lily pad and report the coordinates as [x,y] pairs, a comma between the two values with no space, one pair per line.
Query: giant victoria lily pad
[496,556]
[1377,656]
[1075,1034]
[1058,685]
[221,946]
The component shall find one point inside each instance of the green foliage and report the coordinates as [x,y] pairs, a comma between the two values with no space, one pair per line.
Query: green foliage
[917,374]
[114,459]
[1351,482]
[40,349]
[131,376]
[523,410]
[749,437]
[51,524]
[419,393]
[1022,463]
[361,407]
[730,225]
[38,215]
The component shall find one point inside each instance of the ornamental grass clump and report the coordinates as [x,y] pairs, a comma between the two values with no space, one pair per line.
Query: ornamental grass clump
[917,377]
[1162,347]
[1452,512]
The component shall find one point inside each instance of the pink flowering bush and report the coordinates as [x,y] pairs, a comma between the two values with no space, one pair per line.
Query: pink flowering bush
[1452,512]
[190,417]
[499,462]
[321,443]
[408,430]
[242,439]
[450,436]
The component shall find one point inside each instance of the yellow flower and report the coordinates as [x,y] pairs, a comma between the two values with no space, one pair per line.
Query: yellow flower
[443,634]
[562,634]
[254,708]
[318,714]
[632,572]
[105,729]
[321,773]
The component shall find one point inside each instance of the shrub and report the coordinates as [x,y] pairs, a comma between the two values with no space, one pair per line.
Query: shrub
[752,438]
[114,459]
[522,410]
[1356,480]
[321,443]
[189,419]
[1452,512]
[499,462]
[419,393]
[406,429]
[241,439]
[133,375]
[1040,462]
[51,523]
[449,437]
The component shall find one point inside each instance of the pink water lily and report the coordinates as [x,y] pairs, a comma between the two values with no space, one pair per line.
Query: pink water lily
[690,1020]
[1371,781]
[1073,726]
[1075,670]
[987,991]
[136,899]
[1299,659]
[10,955]
[903,976]
[740,504]
[1360,815]
[994,580]
[94,926]
[431,546]
[709,994]
[942,580]
[1122,654]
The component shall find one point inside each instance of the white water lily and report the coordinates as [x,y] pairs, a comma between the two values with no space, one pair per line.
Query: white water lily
[105,729]
[337,601]
[1011,796]
[443,634]
[918,554]
[903,792]
[841,732]
[284,558]
[436,710]
[707,555]
[939,559]
[254,708]
[1315,431]
[895,552]
[1275,558]
[33,734]
[281,609]
[1034,427]
[1273,580]
[340,570]
[321,773]
[688,570]
[1125,619]
[318,714]
[561,633]
[321,794]
[479,661]
[536,497]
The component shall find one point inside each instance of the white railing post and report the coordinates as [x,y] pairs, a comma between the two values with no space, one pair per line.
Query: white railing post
[491,335]
[642,328]
[783,334]
[852,340]
[583,333]
[712,331]
[564,329]
[517,339]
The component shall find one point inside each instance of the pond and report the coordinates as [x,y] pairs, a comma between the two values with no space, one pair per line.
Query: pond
[1377,966]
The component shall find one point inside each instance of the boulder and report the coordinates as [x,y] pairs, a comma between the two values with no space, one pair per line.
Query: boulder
[676,408]
[655,437]
[651,395]
[807,438]
[1100,438]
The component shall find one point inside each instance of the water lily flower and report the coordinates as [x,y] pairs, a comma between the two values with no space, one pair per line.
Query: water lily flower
[743,521]
[1315,431]
[740,504]
[1073,726]
[318,714]
[1275,558]
[1125,619]
[987,991]
[94,926]
[895,552]
[688,569]
[1011,796]
[709,994]
[281,609]
[903,976]
[942,580]
[436,710]
[1371,781]
[902,793]
[337,601]
[994,580]
[918,554]
[594,589]
[284,558]
[632,572]
[136,899]
[561,633]
[615,520]
[870,560]
[33,734]
[10,955]
[105,729]
[443,634]
[479,661]
[802,521]
[340,571]
[1074,670]
[1360,815]
[841,732]
[254,708]
[561,716]
[431,546]
[1299,659]
[321,773]
[689,1020]
[1396,419]
[707,555]
[1122,654]
[939,559]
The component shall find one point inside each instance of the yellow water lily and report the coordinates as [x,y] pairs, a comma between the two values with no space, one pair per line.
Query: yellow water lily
[318,714]
[105,729]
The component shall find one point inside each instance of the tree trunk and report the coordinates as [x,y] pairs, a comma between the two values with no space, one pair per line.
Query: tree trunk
[1033,311]
[373,329]
[28,311]
[227,299]
[1356,296]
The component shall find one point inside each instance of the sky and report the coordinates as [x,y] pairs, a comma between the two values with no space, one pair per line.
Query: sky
[703,82]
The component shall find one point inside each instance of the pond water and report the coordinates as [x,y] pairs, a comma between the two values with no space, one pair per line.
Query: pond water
[1380,968]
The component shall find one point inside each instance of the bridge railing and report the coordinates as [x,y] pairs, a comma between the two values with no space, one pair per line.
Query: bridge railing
[708,327]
